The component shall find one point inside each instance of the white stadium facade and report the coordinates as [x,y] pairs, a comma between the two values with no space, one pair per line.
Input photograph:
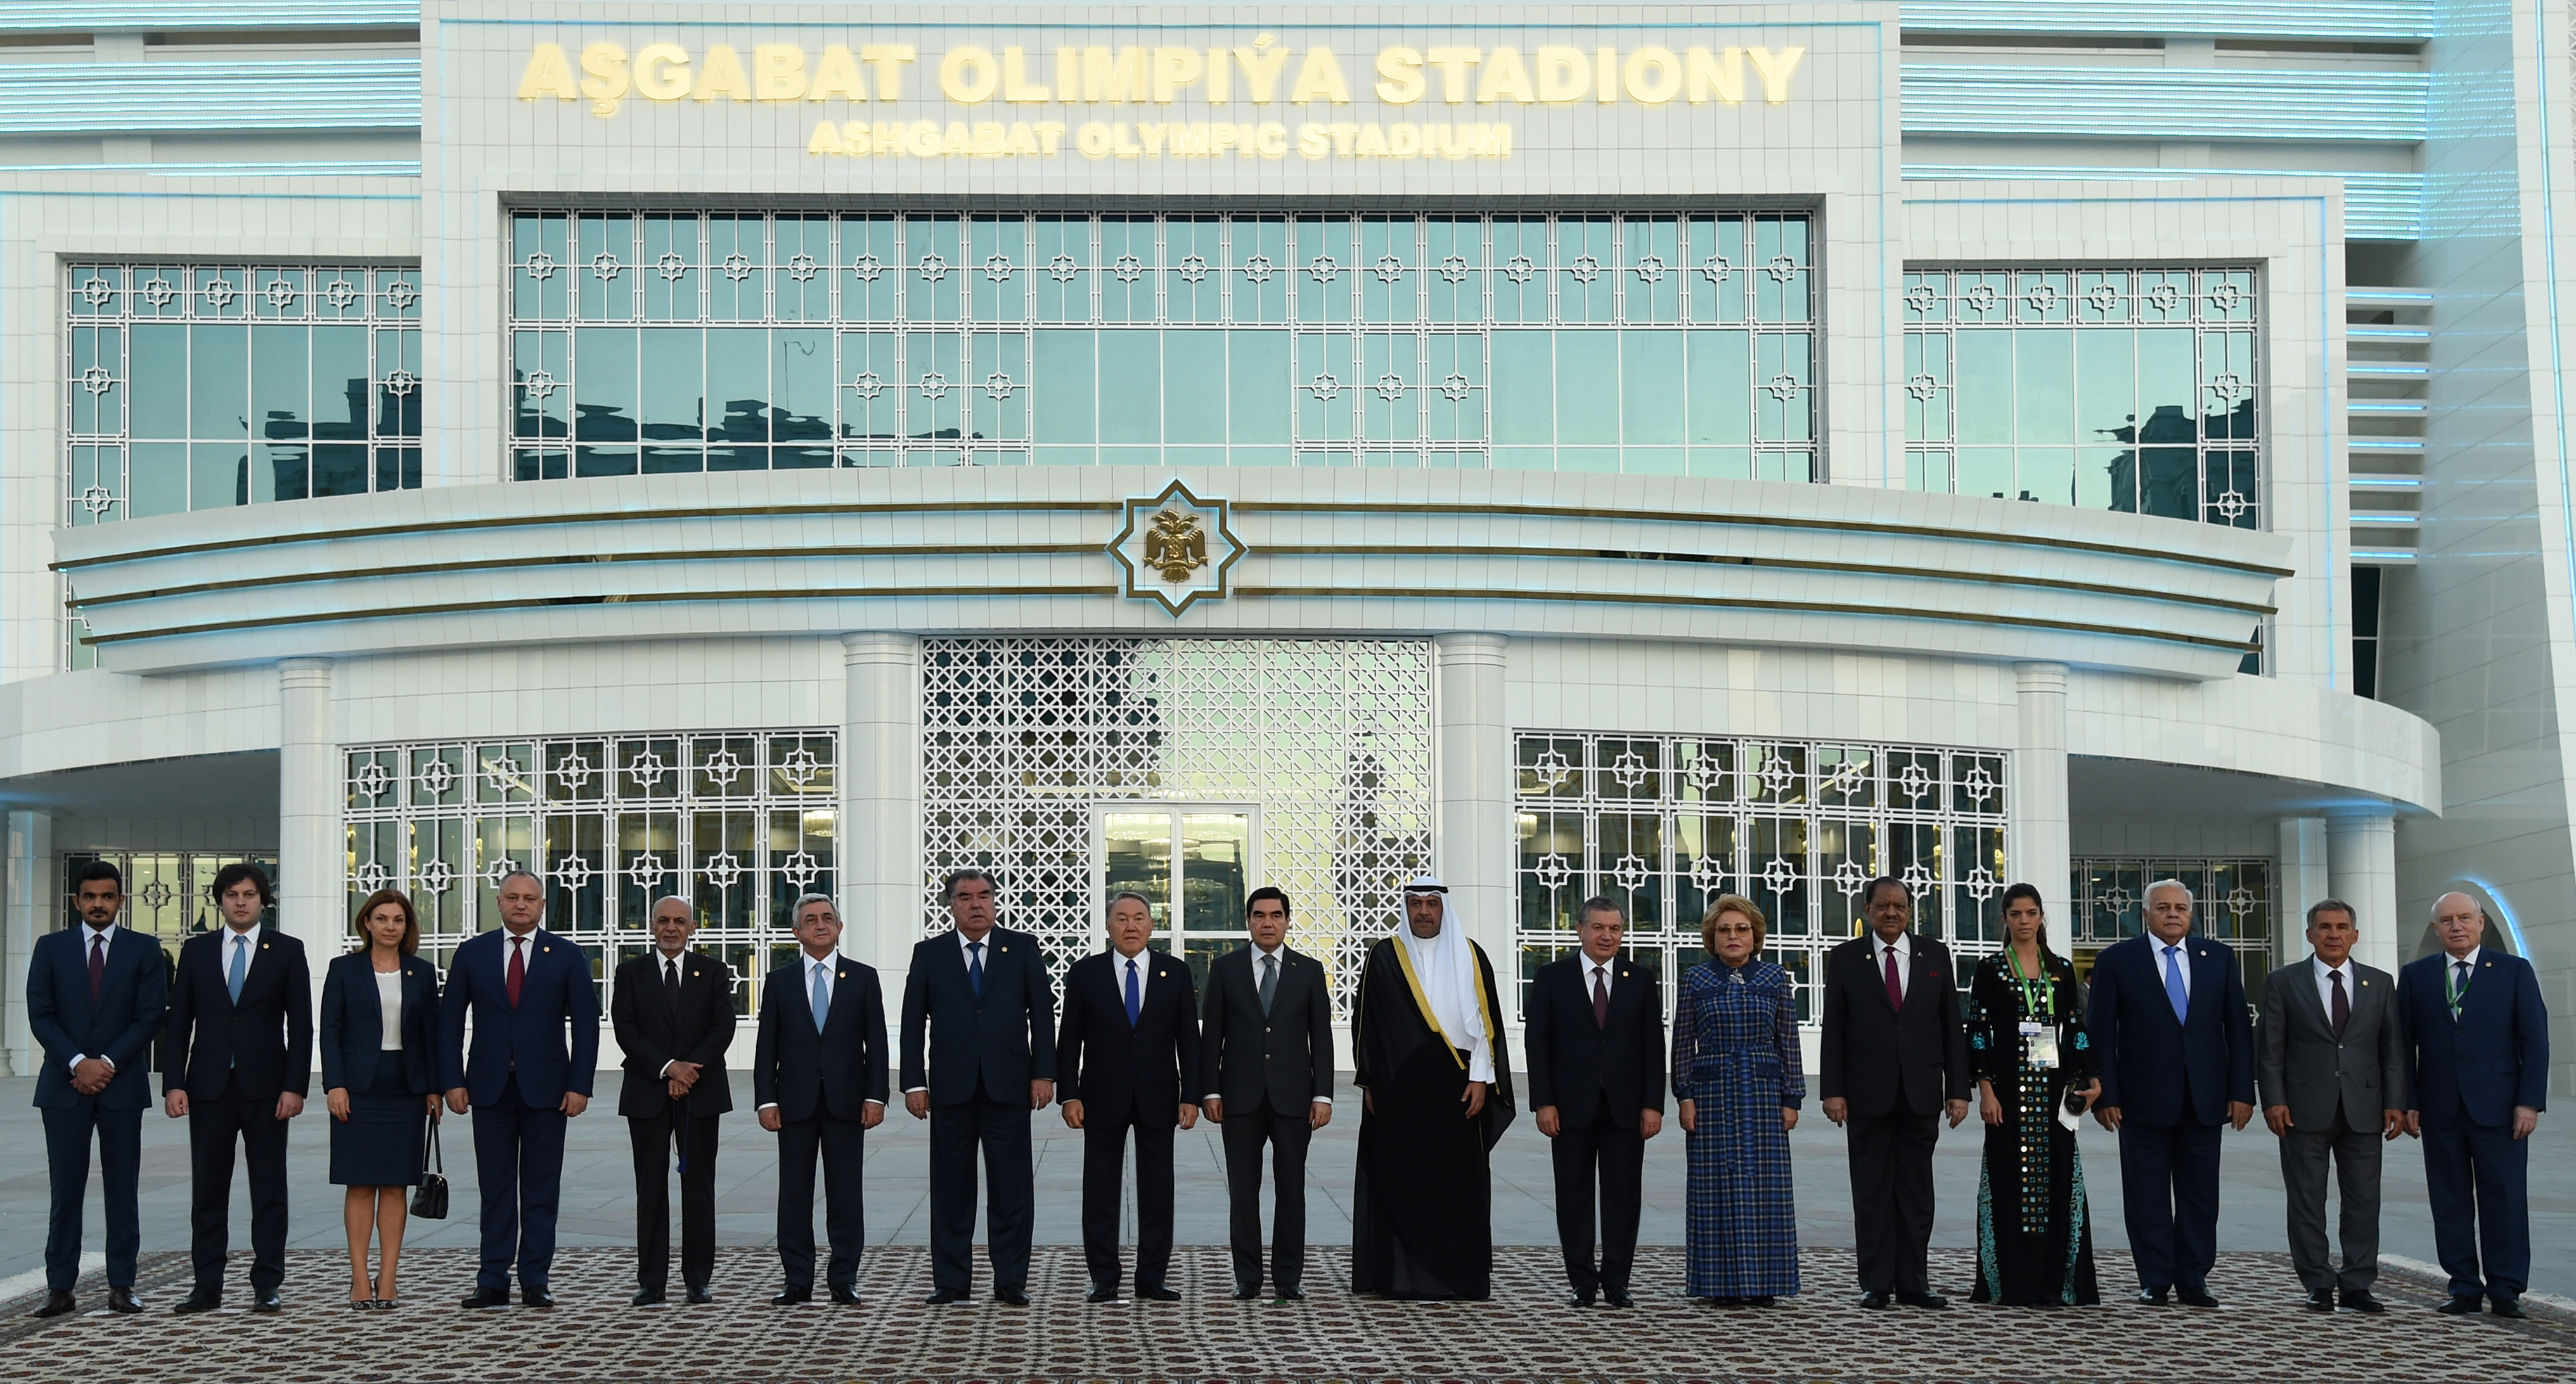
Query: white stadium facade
[1655,451]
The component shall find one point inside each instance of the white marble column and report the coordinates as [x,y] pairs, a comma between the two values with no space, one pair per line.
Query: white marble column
[33,908]
[312,846]
[2041,851]
[1471,834]
[881,884]
[2361,870]
[2304,880]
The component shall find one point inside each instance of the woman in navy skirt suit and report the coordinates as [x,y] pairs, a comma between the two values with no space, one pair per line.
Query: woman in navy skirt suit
[379,1073]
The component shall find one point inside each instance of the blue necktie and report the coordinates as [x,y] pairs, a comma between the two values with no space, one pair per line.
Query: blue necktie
[822,999]
[1135,1000]
[241,964]
[975,967]
[2173,985]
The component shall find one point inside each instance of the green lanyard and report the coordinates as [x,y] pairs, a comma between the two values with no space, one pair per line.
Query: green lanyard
[2038,997]
[2452,984]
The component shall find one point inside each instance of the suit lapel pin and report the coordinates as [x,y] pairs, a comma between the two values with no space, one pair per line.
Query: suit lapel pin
[545,949]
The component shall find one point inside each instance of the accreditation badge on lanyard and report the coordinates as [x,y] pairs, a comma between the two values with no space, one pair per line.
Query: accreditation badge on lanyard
[2040,1042]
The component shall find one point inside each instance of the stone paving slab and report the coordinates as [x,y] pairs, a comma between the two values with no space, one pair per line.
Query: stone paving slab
[1524,1333]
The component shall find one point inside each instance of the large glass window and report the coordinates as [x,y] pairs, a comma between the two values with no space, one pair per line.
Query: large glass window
[1667,824]
[2107,388]
[737,822]
[2235,900]
[202,386]
[1075,767]
[1674,343]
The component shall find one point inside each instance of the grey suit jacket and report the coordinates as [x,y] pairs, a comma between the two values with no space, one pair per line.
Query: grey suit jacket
[2300,1063]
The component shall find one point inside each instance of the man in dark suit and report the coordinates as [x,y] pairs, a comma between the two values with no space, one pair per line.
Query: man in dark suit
[240,1055]
[1266,1066]
[673,1013]
[1596,1077]
[977,1000]
[2177,1053]
[1895,1058]
[536,1050]
[1129,1042]
[95,998]
[819,1076]
[2477,1041]
[2330,1062]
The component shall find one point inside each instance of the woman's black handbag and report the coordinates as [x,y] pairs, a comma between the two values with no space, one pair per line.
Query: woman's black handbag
[430,1202]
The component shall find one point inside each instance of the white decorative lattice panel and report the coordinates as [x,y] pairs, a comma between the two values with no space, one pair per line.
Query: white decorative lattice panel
[1666,824]
[738,822]
[1023,737]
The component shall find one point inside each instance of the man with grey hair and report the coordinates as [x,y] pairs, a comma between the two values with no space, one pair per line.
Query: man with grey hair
[673,1011]
[2330,1061]
[818,1075]
[2477,1037]
[2177,1052]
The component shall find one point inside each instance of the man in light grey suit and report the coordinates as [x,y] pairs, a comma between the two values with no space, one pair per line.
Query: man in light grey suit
[2331,1061]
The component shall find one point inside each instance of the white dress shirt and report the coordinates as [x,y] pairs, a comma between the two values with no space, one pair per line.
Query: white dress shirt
[2325,986]
[1903,946]
[666,962]
[1600,972]
[2451,971]
[91,937]
[2181,960]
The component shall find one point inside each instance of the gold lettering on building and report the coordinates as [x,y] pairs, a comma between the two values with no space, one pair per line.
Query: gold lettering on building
[974,75]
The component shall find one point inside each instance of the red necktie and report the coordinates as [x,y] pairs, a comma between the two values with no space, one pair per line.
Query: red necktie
[97,966]
[1895,987]
[518,971]
[1600,1000]
[2342,1001]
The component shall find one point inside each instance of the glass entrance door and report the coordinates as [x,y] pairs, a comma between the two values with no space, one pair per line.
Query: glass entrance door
[1194,861]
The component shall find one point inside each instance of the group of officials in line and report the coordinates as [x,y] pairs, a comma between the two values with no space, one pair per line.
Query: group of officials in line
[2158,1047]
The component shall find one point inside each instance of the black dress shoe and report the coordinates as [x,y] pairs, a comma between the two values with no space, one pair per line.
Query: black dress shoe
[266,1304]
[2360,1300]
[194,1303]
[535,1296]
[2196,1295]
[2510,1307]
[58,1302]
[1290,1294]
[700,1297]
[2459,1306]
[123,1300]
[846,1297]
[945,1296]
[2320,1302]
[646,1297]
[1874,1299]
[481,1298]
[1617,1297]
[789,1297]
[1764,1301]
[1100,1292]
[1579,1300]
[1927,1301]
[1159,1293]
[2154,1297]
[1246,1292]
[1014,1295]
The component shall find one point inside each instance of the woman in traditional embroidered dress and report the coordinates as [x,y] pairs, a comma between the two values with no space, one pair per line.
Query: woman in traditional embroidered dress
[2027,1043]
[1737,1071]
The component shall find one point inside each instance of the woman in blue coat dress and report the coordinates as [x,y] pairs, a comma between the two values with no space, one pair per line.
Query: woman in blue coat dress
[1737,1071]
[379,1074]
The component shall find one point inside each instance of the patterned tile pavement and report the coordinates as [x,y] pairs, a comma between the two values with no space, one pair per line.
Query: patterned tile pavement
[1524,1334]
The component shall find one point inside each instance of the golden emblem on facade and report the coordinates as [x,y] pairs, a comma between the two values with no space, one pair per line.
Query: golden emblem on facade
[1174,549]
[1176,546]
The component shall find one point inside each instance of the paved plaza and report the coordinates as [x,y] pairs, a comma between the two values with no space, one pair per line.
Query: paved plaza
[1523,1333]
